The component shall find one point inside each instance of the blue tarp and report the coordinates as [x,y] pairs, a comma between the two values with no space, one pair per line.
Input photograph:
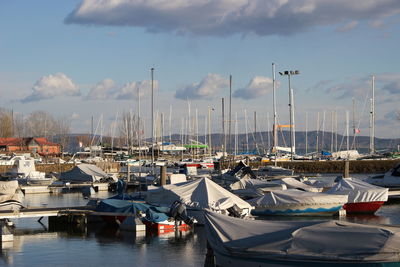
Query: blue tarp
[326,153]
[153,213]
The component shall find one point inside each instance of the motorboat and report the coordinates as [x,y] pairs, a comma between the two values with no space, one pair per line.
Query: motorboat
[25,171]
[390,179]
[362,196]
[116,211]
[297,202]
[257,243]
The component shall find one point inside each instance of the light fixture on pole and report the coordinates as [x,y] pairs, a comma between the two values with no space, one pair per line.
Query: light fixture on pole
[291,109]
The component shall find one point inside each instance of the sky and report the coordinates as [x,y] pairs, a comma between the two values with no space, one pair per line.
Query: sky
[81,58]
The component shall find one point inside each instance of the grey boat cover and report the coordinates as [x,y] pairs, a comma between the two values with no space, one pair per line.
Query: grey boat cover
[292,183]
[359,191]
[84,173]
[200,194]
[294,196]
[302,240]
[246,183]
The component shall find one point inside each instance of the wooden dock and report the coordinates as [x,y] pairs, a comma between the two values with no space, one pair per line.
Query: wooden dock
[43,212]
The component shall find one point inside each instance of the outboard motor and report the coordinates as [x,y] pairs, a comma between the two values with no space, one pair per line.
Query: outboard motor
[178,212]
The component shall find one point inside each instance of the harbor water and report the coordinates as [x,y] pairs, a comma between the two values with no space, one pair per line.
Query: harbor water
[35,244]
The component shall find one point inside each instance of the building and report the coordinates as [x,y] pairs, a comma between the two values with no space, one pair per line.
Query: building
[35,145]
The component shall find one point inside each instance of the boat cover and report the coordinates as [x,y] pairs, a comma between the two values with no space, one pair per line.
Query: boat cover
[294,196]
[302,240]
[153,214]
[359,191]
[292,183]
[8,187]
[84,173]
[202,194]
[245,183]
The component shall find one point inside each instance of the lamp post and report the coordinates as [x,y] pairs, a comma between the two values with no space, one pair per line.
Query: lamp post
[289,73]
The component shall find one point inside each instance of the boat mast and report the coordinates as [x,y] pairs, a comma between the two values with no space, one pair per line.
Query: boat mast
[275,135]
[306,132]
[209,131]
[152,121]
[372,134]
[230,114]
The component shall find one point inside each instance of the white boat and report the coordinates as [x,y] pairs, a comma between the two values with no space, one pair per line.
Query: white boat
[363,197]
[296,202]
[390,179]
[256,243]
[25,171]
[198,195]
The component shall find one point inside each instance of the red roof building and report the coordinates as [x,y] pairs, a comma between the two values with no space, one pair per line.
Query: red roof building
[35,145]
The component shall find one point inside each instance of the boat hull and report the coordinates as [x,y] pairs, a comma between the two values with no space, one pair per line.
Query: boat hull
[300,210]
[363,207]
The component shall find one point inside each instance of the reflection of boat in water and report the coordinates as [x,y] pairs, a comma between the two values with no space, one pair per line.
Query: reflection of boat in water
[238,242]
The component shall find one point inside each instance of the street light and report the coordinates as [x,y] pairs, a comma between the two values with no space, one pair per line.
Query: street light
[291,109]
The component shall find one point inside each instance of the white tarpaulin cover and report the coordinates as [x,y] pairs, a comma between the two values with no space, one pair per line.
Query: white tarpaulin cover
[294,184]
[202,194]
[302,240]
[359,191]
[246,183]
[8,187]
[84,173]
[294,196]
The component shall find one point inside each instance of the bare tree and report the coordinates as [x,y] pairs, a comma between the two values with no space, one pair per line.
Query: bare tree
[63,130]
[6,123]
[40,123]
[128,129]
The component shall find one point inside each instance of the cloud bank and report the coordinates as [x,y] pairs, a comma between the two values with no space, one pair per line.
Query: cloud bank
[107,89]
[208,88]
[258,86]
[51,86]
[227,17]
[387,87]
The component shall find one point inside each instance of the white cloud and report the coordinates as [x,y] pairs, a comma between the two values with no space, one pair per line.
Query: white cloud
[102,90]
[107,89]
[51,86]
[347,27]
[75,116]
[388,84]
[258,86]
[226,17]
[130,90]
[208,88]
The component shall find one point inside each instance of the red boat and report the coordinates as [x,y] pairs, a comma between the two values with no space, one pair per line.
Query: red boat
[363,207]
[362,197]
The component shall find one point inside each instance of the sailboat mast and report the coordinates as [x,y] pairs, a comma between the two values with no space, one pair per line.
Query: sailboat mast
[372,141]
[275,134]
[230,113]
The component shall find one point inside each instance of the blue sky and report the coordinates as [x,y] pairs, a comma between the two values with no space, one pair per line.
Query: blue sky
[87,58]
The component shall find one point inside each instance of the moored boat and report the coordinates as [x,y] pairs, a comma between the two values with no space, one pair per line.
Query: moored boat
[362,197]
[296,202]
[239,242]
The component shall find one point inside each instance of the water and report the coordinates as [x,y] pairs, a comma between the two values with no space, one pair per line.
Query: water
[100,245]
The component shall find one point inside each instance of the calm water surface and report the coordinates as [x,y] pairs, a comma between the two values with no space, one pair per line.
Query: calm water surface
[100,245]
